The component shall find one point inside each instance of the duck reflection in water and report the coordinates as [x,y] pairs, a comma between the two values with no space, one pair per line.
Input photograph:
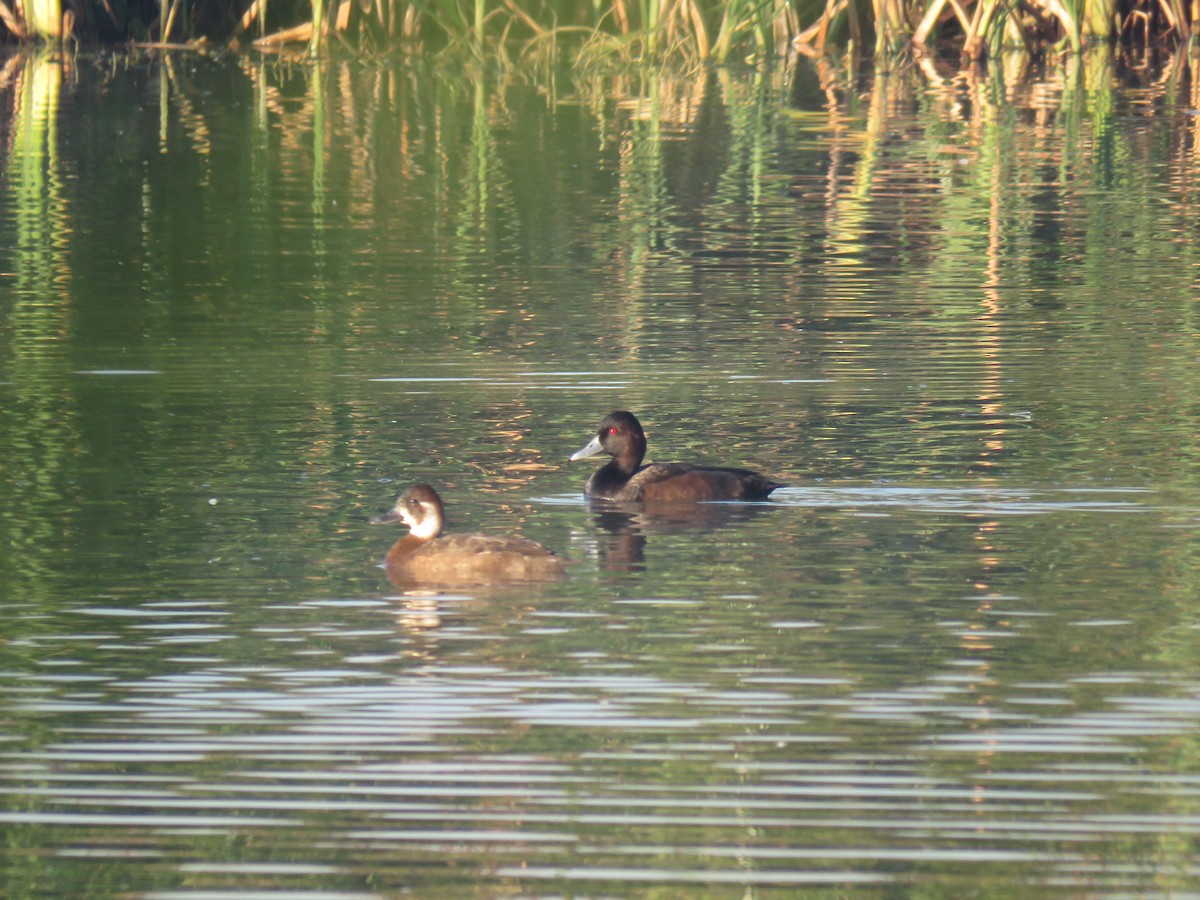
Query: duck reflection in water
[625,479]
[426,556]
[626,527]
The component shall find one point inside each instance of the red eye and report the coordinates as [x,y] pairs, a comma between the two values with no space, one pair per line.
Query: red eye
[613,430]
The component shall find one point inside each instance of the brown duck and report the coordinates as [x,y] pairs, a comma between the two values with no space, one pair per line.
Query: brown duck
[426,555]
[624,478]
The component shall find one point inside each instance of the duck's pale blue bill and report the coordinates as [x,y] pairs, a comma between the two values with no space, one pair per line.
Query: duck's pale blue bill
[593,447]
[390,516]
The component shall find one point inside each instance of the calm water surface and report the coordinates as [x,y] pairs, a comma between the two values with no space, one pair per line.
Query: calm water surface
[244,303]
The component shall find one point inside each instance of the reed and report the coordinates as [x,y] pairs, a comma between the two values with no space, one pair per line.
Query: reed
[698,30]
[43,18]
[642,30]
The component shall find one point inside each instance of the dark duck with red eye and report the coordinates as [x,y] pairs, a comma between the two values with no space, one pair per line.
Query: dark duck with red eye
[426,555]
[625,479]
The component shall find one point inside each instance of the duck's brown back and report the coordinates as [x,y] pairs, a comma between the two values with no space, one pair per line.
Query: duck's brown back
[473,559]
[674,482]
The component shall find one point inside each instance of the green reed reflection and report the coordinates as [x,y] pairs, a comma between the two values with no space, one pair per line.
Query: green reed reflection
[441,129]
[39,437]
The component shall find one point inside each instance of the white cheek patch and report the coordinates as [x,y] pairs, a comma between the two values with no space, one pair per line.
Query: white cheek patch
[428,527]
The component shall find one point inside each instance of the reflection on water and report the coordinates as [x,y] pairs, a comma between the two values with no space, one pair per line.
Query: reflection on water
[624,529]
[953,310]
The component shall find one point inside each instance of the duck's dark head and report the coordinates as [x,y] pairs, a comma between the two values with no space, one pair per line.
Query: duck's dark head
[420,508]
[620,435]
